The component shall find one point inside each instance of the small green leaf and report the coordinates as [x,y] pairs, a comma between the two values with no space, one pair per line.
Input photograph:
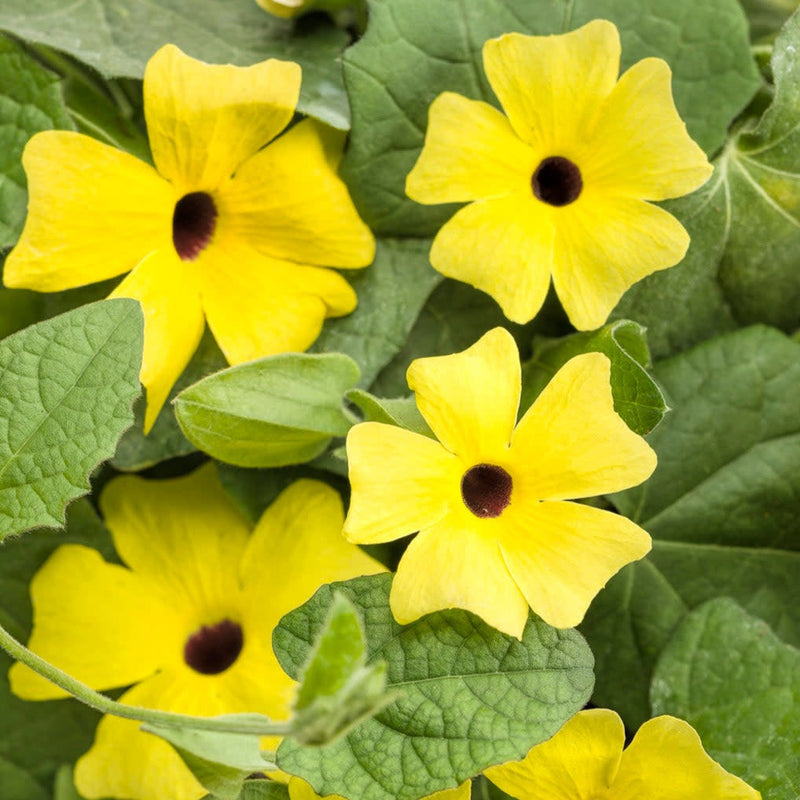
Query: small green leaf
[337,689]
[637,398]
[415,49]
[30,101]
[66,390]
[219,761]
[734,428]
[117,37]
[278,410]
[728,675]
[471,696]
[400,411]
[256,789]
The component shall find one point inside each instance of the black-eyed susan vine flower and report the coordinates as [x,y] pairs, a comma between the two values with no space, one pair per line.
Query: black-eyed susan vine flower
[495,535]
[558,185]
[223,229]
[585,760]
[188,621]
[300,790]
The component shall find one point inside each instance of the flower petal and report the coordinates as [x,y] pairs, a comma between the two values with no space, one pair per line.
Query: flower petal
[571,443]
[640,146]
[173,323]
[604,244]
[257,306]
[470,398]
[502,246]
[470,152]
[552,87]
[96,621]
[401,482]
[287,202]
[562,554]
[296,547]
[94,212]
[454,566]
[204,120]
[184,537]
[580,761]
[124,761]
[666,759]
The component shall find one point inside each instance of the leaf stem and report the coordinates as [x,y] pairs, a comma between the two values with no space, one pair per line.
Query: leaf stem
[99,702]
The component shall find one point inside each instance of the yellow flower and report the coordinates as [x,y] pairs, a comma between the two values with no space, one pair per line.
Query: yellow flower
[585,760]
[300,790]
[223,229]
[495,536]
[189,621]
[560,181]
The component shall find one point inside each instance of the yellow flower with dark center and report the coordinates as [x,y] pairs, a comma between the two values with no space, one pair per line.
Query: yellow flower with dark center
[559,184]
[188,621]
[495,535]
[585,760]
[222,229]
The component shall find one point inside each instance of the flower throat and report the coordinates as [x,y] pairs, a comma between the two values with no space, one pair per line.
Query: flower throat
[486,490]
[211,649]
[193,224]
[557,181]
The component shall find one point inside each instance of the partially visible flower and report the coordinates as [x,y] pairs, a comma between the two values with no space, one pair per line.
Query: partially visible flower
[300,790]
[223,229]
[495,536]
[286,9]
[558,185]
[585,760]
[188,621]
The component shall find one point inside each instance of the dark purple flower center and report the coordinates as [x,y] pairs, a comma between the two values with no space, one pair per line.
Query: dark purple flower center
[193,224]
[211,649]
[557,181]
[486,490]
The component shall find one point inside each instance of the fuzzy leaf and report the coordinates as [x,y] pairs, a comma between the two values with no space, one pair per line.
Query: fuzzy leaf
[66,390]
[278,410]
[117,37]
[471,696]
[728,675]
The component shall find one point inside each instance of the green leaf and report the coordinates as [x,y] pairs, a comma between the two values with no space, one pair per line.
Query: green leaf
[400,411]
[117,37]
[337,689]
[727,453]
[278,410]
[728,675]
[391,293]
[632,619]
[66,390]
[471,696]
[261,790]
[30,101]
[637,398]
[415,49]
[64,786]
[36,739]
[220,761]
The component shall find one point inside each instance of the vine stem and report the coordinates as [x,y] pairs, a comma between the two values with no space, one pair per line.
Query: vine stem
[105,705]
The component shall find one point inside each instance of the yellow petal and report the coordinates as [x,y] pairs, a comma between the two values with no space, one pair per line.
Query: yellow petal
[296,547]
[578,763]
[571,443]
[666,760]
[604,244]
[257,306]
[561,554]
[401,482]
[453,565]
[204,120]
[94,212]
[124,761]
[552,87]
[184,537]
[470,152]
[502,246]
[639,146]
[470,398]
[96,621]
[287,202]
[173,323]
